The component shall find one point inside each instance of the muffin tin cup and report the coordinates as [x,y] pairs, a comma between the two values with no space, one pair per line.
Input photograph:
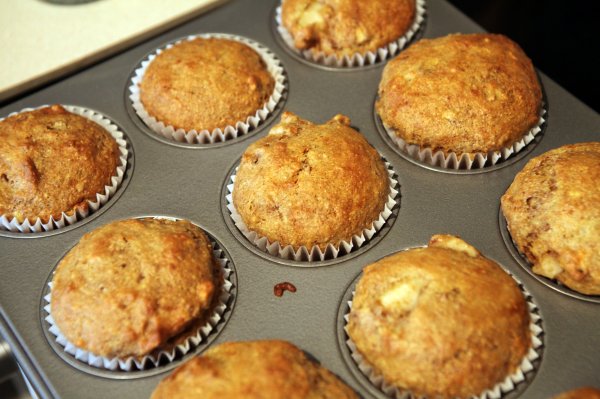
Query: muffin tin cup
[356,60]
[465,161]
[159,357]
[217,135]
[81,212]
[315,254]
[509,384]
[522,260]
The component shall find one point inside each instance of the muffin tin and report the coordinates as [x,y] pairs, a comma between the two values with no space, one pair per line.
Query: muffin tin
[188,181]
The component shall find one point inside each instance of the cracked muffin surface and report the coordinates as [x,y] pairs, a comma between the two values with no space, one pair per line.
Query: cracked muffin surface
[206,84]
[440,321]
[345,27]
[269,369]
[306,184]
[552,210]
[53,161]
[462,93]
[130,286]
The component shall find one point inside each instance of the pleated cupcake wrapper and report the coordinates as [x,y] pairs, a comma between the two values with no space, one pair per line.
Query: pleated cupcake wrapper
[155,358]
[219,134]
[37,226]
[497,391]
[468,161]
[356,59]
[315,253]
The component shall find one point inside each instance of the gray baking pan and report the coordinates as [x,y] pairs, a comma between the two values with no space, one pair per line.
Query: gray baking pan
[188,182]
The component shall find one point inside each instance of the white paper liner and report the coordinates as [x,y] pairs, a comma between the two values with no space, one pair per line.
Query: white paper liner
[315,253]
[37,226]
[218,135]
[356,59]
[155,358]
[496,392]
[468,161]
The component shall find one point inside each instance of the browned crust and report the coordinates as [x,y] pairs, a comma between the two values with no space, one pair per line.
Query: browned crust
[52,161]
[458,326]
[345,27]
[460,93]
[255,369]
[580,393]
[206,84]
[129,286]
[307,184]
[552,209]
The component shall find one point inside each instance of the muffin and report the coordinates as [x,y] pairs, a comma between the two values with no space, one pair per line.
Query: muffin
[441,321]
[205,84]
[132,286]
[310,185]
[252,370]
[346,27]
[581,393]
[460,93]
[552,210]
[53,161]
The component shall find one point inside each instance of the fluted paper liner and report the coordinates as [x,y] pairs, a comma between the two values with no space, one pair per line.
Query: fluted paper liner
[496,392]
[468,161]
[356,59]
[158,356]
[315,253]
[219,134]
[66,219]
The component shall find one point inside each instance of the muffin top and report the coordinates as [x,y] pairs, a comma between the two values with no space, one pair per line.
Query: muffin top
[580,393]
[305,184]
[460,93]
[345,27]
[205,84]
[441,321]
[52,161]
[252,370]
[552,209]
[129,286]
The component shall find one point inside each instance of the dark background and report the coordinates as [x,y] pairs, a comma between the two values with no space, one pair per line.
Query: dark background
[561,37]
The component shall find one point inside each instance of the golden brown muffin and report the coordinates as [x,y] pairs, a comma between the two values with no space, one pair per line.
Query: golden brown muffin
[460,93]
[52,161]
[345,27]
[581,393]
[205,84]
[552,209]
[130,286]
[441,321]
[253,370]
[305,184]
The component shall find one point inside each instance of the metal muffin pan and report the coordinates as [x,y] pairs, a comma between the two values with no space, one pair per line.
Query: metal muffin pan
[188,183]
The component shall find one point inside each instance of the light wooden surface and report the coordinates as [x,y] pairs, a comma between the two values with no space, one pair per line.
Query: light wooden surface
[42,41]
